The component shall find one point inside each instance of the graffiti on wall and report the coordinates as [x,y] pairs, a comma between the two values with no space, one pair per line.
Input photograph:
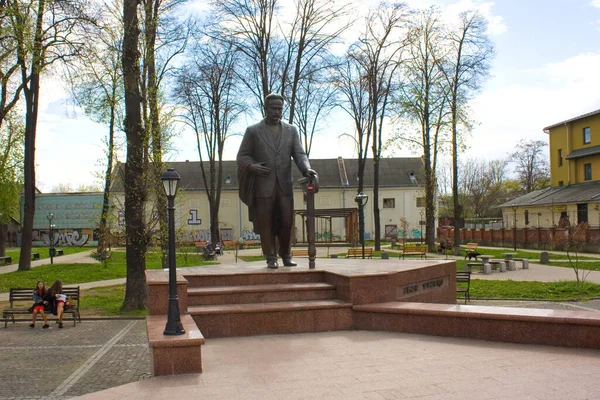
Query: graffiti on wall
[247,235]
[203,235]
[64,239]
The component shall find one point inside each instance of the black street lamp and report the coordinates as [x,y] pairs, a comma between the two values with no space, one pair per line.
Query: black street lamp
[421,223]
[170,179]
[514,207]
[50,217]
[361,199]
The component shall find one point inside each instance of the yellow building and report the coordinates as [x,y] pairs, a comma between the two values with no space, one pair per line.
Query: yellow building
[574,196]
[575,150]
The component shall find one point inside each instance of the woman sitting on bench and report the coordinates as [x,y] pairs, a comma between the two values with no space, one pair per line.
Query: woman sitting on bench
[39,304]
[57,300]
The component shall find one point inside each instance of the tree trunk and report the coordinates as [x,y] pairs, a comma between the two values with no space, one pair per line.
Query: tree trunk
[136,293]
[3,239]
[102,244]
[376,211]
[31,103]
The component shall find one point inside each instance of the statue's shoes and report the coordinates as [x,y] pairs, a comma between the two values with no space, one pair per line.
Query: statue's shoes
[289,263]
[272,265]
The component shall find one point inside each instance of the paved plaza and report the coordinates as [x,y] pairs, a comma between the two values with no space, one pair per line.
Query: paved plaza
[110,359]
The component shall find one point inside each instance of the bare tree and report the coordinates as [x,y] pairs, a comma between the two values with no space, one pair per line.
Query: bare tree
[350,82]
[423,103]
[251,26]
[316,96]
[531,164]
[382,46]
[464,68]
[308,42]
[482,187]
[208,93]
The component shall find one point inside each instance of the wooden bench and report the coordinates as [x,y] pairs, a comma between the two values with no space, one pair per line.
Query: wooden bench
[471,251]
[300,253]
[413,250]
[463,284]
[7,260]
[59,252]
[356,252]
[21,300]
[35,256]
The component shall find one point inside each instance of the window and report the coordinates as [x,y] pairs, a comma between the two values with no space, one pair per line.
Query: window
[586,135]
[560,157]
[561,183]
[421,202]
[389,203]
[582,213]
[587,172]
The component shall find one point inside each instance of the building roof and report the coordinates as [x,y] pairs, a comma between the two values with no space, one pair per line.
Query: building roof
[546,129]
[587,192]
[393,172]
[585,152]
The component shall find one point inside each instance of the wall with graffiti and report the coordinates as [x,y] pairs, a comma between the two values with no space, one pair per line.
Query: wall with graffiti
[66,219]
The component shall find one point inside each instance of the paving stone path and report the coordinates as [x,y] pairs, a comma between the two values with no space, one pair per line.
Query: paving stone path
[63,363]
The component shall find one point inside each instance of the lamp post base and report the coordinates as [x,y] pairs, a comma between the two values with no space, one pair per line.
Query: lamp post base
[174,325]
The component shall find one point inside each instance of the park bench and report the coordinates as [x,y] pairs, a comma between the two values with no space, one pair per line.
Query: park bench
[499,265]
[35,256]
[356,252]
[463,284]
[471,251]
[208,254]
[524,261]
[6,259]
[469,266]
[59,252]
[300,253]
[20,300]
[413,250]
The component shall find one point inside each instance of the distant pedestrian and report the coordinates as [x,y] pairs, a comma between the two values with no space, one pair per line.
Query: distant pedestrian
[39,304]
[57,300]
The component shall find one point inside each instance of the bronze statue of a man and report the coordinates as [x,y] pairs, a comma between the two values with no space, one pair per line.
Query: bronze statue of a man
[265,176]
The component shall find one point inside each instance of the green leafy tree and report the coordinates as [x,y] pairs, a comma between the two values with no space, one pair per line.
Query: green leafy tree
[11,172]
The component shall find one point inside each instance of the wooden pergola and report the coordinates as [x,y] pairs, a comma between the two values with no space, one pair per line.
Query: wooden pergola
[350,216]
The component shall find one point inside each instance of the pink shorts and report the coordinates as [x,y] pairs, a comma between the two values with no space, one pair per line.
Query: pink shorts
[38,308]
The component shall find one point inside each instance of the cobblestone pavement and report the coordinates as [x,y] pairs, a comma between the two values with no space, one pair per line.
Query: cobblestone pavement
[63,363]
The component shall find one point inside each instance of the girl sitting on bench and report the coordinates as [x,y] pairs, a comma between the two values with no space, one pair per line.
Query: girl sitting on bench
[39,304]
[57,300]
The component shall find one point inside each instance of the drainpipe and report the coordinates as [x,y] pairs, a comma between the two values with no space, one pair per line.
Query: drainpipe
[568,128]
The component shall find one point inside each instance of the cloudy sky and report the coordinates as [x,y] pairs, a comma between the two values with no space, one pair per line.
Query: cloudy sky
[545,70]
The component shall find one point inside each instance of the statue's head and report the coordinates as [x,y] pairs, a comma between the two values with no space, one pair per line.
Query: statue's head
[273,108]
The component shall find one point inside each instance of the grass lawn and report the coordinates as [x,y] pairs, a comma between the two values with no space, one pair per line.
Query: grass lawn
[114,268]
[562,290]
[15,253]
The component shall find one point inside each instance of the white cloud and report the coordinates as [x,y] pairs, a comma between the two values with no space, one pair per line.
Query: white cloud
[595,3]
[521,111]
[496,25]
